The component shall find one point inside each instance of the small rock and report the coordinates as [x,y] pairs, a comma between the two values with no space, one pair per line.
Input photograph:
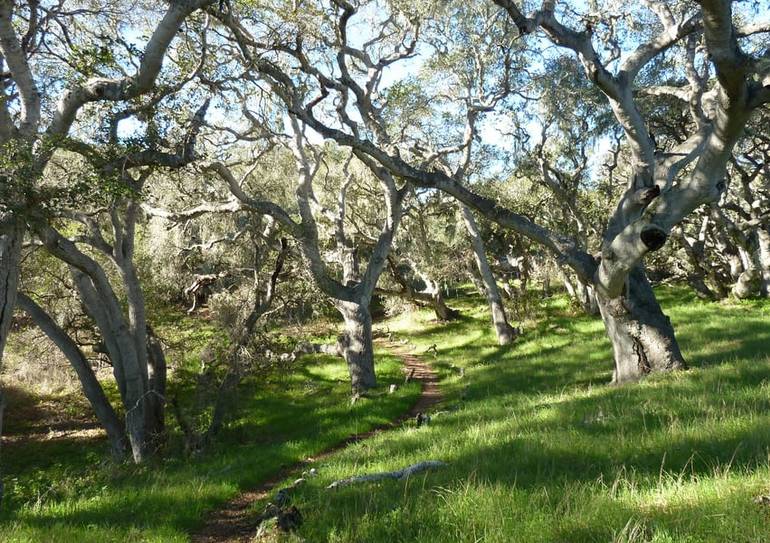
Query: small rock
[392,388]
[289,519]
[281,498]
[422,419]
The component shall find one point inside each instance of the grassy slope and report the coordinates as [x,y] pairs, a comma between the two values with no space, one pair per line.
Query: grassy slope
[62,491]
[541,450]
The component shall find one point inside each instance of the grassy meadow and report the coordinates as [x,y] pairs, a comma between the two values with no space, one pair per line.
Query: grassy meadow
[539,447]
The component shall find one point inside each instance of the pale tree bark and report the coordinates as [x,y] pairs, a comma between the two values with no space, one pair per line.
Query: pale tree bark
[564,185]
[705,278]
[357,344]
[745,250]
[642,336]
[138,362]
[744,215]
[434,293]
[763,238]
[583,293]
[157,373]
[35,145]
[27,135]
[11,238]
[417,251]
[652,205]
[660,192]
[473,274]
[503,330]
[103,307]
[353,297]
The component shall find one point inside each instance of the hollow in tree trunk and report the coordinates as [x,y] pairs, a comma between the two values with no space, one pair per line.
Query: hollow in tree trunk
[642,337]
[357,345]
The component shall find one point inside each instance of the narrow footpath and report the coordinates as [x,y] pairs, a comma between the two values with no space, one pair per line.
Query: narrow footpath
[234,522]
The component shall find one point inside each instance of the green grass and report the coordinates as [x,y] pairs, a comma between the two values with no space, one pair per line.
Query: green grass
[64,490]
[540,449]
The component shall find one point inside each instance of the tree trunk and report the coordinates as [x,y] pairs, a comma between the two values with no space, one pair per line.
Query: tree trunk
[565,278]
[505,332]
[750,281]
[443,312]
[433,291]
[91,386]
[748,284]
[477,284]
[587,297]
[763,237]
[584,294]
[642,337]
[11,238]
[106,312]
[357,345]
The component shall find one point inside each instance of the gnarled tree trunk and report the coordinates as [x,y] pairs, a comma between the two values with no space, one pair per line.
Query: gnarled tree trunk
[443,312]
[581,292]
[132,379]
[505,332]
[641,334]
[433,293]
[357,345]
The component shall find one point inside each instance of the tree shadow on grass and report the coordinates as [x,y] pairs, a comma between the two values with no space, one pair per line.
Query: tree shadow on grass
[562,446]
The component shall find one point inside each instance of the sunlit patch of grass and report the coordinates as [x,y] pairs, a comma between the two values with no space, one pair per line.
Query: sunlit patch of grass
[540,449]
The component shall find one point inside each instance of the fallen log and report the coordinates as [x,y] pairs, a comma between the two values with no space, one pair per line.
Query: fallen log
[398,474]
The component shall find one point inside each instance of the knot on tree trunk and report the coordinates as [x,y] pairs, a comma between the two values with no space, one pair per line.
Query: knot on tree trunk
[646,195]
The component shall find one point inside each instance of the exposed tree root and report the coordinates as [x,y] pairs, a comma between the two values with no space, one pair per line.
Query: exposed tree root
[398,474]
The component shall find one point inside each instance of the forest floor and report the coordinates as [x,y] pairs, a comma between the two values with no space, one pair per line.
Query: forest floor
[539,448]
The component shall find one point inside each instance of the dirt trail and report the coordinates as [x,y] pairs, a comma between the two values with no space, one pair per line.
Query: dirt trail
[234,522]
